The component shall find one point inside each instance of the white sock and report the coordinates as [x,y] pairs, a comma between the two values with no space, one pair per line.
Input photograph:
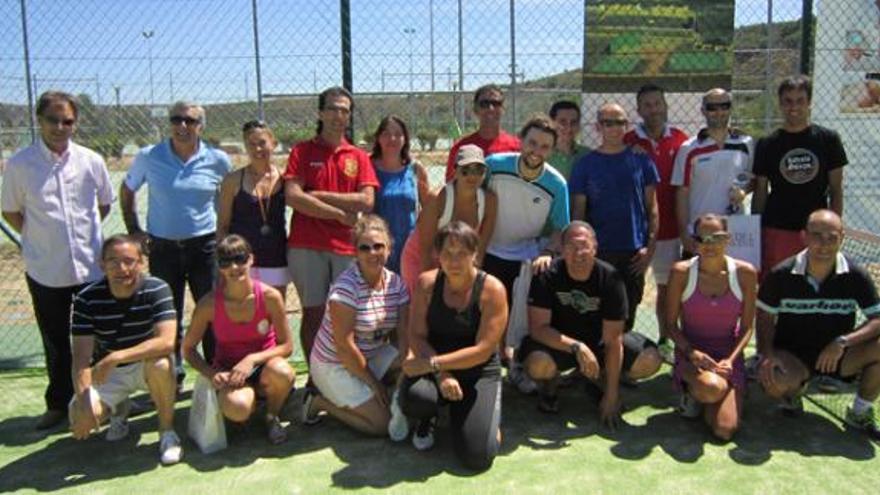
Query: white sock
[860,405]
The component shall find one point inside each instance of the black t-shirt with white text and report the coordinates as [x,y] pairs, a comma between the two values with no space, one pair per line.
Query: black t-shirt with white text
[578,307]
[797,166]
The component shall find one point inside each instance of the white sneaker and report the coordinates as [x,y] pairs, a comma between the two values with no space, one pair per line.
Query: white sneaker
[518,377]
[423,438]
[170,449]
[688,407]
[119,422]
[398,427]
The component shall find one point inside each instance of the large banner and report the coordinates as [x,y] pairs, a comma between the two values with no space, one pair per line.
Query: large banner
[846,97]
[681,45]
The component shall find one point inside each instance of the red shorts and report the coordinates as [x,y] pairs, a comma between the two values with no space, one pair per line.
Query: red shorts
[777,245]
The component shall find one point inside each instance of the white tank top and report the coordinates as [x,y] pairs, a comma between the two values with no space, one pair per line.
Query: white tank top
[694,275]
[446,217]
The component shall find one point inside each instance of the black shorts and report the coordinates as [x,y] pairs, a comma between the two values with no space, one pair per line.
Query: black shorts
[254,378]
[808,358]
[633,345]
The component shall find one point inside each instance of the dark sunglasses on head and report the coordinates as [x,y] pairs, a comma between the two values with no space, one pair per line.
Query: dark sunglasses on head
[227,261]
[490,103]
[613,122]
[369,248]
[473,169]
[254,124]
[714,238]
[55,120]
[180,119]
[713,107]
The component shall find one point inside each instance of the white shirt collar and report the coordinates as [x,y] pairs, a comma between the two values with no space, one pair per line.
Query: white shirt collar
[800,264]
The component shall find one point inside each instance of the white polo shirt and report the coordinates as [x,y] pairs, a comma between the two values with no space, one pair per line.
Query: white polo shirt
[59,197]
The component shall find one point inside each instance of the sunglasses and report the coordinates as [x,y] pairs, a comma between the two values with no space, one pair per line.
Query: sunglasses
[613,122]
[238,259]
[55,120]
[369,248]
[254,124]
[490,103]
[475,169]
[179,119]
[714,107]
[714,238]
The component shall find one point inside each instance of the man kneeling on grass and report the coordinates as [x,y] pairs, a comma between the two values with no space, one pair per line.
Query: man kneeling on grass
[807,313]
[123,337]
[577,310]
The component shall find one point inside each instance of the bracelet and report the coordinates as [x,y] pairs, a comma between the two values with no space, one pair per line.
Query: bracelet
[435,366]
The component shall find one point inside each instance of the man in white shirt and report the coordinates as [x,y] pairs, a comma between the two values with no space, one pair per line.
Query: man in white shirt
[55,194]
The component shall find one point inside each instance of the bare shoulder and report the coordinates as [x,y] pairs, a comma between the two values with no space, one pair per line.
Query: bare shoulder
[426,281]
[680,267]
[493,288]
[746,272]
[273,295]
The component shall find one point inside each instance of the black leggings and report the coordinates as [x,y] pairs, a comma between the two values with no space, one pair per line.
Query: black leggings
[474,419]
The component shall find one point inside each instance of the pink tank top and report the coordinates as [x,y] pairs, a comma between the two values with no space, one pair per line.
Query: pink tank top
[233,340]
[711,323]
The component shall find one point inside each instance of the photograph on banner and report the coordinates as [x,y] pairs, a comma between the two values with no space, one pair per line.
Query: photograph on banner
[860,57]
[678,44]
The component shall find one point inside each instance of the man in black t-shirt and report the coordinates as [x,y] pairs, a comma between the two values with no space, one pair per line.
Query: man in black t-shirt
[123,336]
[806,317]
[577,310]
[803,165]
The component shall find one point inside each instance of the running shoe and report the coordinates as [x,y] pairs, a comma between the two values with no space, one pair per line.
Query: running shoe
[866,421]
[170,449]
[688,407]
[398,427]
[423,438]
[119,422]
[307,416]
[751,366]
[548,403]
[276,432]
[518,377]
[667,351]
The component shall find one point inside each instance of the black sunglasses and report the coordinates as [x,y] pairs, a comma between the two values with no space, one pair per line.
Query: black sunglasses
[714,107]
[490,103]
[369,248]
[227,261]
[473,169]
[254,124]
[180,119]
[714,238]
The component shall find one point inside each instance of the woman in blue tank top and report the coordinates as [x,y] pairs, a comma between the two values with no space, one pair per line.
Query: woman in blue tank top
[404,183]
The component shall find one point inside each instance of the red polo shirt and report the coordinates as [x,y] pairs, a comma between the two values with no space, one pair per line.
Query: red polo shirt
[319,167]
[662,152]
[502,143]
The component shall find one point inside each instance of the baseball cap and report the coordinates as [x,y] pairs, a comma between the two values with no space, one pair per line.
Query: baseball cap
[468,154]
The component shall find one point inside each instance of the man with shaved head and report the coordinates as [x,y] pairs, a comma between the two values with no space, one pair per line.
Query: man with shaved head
[614,189]
[806,320]
[712,169]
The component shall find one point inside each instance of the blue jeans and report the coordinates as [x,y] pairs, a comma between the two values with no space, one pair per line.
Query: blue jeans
[190,260]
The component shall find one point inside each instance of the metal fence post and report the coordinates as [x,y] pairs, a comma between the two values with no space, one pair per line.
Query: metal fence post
[806,65]
[768,70]
[257,61]
[513,65]
[345,28]
[461,98]
[27,71]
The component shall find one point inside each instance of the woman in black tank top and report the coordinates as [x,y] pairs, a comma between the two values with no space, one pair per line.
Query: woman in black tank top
[458,317]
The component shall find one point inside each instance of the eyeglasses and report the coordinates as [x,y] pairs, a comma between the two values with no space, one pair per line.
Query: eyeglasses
[369,248]
[51,119]
[714,107]
[490,103]
[473,169]
[824,238]
[613,122]
[254,124]
[227,261]
[180,119]
[713,238]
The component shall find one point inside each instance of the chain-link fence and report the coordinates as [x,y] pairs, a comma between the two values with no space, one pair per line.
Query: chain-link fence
[421,59]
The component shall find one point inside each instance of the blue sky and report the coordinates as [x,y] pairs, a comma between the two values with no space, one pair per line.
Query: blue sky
[203,49]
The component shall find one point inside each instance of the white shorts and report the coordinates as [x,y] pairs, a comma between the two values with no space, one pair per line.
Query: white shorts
[344,389]
[276,276]
[666,253]
[120,385]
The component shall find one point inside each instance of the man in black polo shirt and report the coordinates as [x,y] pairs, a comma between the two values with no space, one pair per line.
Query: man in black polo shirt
[577,311]
[806,317]
[123,336]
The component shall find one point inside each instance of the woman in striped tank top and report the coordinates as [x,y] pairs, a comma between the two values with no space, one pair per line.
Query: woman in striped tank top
[711,309]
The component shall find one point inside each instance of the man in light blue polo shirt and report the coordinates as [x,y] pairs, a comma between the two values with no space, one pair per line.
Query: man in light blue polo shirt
[183,175]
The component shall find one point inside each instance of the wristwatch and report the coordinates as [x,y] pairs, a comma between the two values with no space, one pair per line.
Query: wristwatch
[576,346]
[841,341]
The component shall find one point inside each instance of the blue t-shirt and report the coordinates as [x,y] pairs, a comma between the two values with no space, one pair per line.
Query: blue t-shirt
[615,189]
[397,201]
[182,202]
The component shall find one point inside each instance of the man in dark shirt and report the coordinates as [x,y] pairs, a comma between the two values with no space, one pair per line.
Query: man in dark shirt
[123,336]
[577,310]
[803,164]
[806,323]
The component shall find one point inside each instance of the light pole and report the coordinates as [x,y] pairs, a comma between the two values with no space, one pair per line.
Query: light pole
[148,35]
[410,32]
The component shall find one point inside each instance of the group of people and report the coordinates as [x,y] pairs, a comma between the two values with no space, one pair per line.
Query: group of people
[532,256]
